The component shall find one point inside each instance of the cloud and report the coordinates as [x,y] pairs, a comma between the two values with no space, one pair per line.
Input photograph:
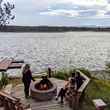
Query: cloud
[86,2]
[67,13]
[78,8]
[44,4]
[59,10]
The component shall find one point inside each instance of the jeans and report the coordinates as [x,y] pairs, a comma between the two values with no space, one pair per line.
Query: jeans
[26,88]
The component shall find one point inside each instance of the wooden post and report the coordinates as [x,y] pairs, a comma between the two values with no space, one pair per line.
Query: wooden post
[12,106]
[19,106]
[49,72]
[77,100]
[6,105]
[1,102]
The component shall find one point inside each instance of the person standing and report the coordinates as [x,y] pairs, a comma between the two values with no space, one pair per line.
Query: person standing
[49,72]
[26,78]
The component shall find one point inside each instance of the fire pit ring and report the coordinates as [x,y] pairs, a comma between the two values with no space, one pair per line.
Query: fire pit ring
[42,95]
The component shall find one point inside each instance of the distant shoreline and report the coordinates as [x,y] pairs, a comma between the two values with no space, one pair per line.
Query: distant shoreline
[51,29]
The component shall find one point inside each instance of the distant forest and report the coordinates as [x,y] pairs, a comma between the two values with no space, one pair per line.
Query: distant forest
[50,29]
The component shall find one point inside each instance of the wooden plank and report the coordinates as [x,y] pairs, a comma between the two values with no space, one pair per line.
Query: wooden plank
[8,96]
[4,64]
[15,65]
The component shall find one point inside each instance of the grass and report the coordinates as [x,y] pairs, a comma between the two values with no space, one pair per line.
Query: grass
[65,74]
[61,74]
[97,89]
[15,81]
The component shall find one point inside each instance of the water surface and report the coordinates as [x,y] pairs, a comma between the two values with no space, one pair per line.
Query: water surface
[58,50]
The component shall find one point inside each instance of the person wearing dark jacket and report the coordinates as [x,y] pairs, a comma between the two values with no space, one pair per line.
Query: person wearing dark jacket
[79,80]
[27,77]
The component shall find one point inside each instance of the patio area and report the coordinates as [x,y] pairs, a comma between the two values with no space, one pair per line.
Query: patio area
[18,91]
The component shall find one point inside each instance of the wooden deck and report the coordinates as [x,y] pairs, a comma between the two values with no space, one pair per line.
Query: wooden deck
[46,105]
[6,64]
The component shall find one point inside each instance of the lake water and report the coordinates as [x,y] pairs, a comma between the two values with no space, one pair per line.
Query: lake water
[58,50]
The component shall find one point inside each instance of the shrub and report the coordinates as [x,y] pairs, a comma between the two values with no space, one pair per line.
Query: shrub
[65,74]
[85,71]
[61,74]
[4,80]
[107,65]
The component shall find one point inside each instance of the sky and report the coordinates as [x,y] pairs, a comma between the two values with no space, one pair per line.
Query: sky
[62,12]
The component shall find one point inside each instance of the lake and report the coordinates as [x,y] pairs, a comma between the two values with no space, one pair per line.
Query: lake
[90,50]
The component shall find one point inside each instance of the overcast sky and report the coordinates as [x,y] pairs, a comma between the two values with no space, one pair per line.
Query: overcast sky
[62,12]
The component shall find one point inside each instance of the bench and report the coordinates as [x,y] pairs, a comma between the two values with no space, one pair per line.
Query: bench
[99,104]
[81,90]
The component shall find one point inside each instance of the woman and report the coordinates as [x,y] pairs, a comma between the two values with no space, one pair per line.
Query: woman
[27,77]
[61,94]
[69,84]
[71,93]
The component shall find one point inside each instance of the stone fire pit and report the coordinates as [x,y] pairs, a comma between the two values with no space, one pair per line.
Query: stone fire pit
[43,95]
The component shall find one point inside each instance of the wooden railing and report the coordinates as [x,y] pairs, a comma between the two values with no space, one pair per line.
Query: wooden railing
[82,89]
[75,100]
